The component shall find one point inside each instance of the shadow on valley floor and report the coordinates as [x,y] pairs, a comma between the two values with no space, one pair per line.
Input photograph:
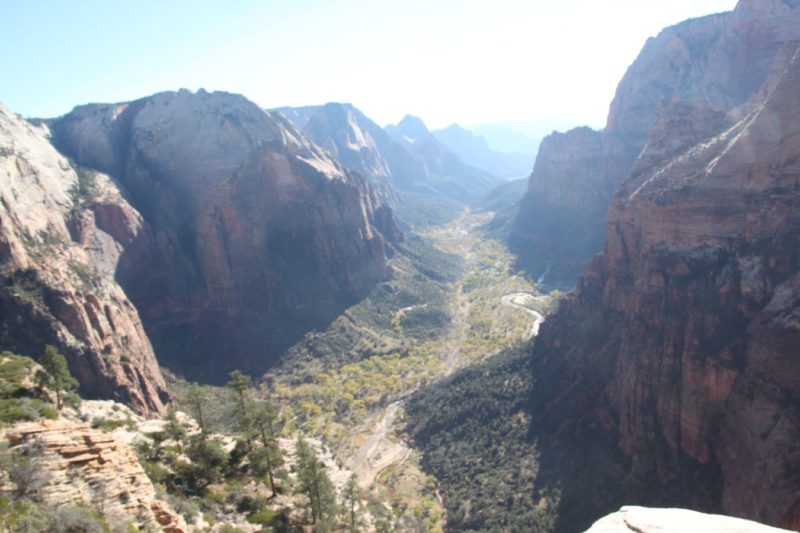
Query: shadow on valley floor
[355,330]
[515,447]
[551,243]
[580,435]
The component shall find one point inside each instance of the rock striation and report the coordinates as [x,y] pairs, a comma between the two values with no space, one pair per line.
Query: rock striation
[719,59]
[87,466]
[359,144]
[251,235]
[63,230]
[675,366]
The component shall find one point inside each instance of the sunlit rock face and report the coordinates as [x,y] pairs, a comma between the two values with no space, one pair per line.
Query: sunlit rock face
[84,466]
[405,158]
[252,234]
[62,235]
[646,520]
[718,59]
[675,366]
[357,143]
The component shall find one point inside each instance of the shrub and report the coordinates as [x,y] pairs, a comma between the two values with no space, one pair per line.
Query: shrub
[21,466]
[77,519]
[276,519]
[186,508]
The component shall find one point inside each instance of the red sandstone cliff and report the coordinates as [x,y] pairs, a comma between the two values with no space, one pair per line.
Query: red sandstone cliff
[61,236]
[718,59]
[674,371]
[253,235]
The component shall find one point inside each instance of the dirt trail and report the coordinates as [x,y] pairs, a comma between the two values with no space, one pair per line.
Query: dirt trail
[383,449]
[379,451]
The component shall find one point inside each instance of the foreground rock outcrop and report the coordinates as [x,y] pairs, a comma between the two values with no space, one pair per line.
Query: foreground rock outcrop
[645,520]
[718,59]
[251,234]
[676,366]
[87,466]
[63,229]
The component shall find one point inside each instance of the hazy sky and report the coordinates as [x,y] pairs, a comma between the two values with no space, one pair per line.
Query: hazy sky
[443,60]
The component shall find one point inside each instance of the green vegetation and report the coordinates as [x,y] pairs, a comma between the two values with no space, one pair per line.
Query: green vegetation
[28,516]
[86,275]
[473,432]
[85,188]
[105,424]
[316,486]
[351,504]
[15,371]
[443,310]
[55,374]
[21,396]
[185,462]
[21,509]
[25,284]
[421,209]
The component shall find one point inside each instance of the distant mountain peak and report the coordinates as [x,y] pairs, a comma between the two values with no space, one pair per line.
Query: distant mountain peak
[413,127]
[475,151]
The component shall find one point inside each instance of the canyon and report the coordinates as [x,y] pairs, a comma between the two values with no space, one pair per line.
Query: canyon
[682,377]
[352,271]
[226,191]
[423,179]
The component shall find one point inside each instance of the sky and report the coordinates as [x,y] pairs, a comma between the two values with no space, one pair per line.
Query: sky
[446,61]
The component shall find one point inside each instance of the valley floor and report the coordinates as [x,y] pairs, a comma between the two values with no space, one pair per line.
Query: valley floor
[357,403]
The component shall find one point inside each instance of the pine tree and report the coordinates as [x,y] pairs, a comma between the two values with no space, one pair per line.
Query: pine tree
[352,496]
[316,485]
[268,457]
[240,384]
[56,374]
[196,399]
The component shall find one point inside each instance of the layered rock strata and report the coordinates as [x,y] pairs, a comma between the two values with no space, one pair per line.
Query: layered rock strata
[675,367]
[63,230]
[252,235]
[718,59]
[87,466]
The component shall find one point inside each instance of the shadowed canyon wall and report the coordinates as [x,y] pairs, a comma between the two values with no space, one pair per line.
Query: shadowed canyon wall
[672,376]
[253,234]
